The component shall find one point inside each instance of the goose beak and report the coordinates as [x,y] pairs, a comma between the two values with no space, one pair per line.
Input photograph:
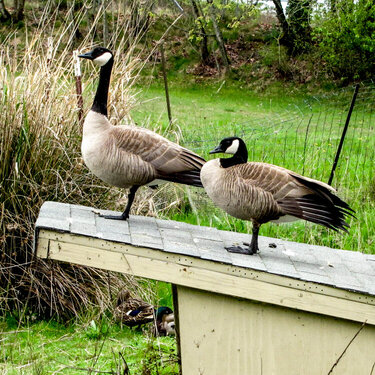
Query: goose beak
[216,150]
[87,55]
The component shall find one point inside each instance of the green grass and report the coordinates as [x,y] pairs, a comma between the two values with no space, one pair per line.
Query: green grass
[288,127]
[93,347]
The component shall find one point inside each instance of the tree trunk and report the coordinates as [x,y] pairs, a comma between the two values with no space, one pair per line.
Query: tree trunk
[19,6]
[285,38]
[296,29]
[4,14]
[219,36]
[203,45]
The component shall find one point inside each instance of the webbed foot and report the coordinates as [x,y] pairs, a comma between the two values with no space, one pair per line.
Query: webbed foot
[239,250]
[115,217]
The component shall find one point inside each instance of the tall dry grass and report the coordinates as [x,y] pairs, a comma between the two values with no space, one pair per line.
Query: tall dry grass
[40,152]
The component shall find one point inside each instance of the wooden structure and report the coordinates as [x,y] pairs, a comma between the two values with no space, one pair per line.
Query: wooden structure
[290,310]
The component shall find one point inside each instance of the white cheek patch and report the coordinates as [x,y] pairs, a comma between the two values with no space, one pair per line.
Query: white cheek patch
[103,59]
[233,148]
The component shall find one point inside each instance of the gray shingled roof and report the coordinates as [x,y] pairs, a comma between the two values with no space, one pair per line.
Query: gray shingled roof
[339,268]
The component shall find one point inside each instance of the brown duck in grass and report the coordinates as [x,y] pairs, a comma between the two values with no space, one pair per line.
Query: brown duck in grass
[132,311]
[262,192]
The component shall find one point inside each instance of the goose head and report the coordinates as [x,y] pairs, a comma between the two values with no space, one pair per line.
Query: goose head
[99,56]
[234,146]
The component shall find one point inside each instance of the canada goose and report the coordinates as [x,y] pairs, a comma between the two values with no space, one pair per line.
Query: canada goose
[129,156]
[263,192]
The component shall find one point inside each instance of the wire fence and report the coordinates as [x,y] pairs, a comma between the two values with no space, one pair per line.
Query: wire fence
[305,139]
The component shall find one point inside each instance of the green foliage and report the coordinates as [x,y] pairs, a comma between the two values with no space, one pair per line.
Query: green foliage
[231,16]
[346,38]
[274,124]
[274,56]
[298,12]
[47,347]
[96,331]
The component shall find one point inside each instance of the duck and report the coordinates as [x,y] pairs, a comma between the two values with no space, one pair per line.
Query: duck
[133,311]
[261,193]
[128,156]
[165,324]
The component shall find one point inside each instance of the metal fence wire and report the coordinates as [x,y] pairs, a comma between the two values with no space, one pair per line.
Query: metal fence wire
[305,139]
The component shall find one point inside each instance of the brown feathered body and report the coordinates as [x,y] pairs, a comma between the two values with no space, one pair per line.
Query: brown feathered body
[125,156]
[133,311]
[264,192]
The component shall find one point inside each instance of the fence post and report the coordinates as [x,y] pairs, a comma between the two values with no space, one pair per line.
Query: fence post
[77,73]
[178,6]
[343,134]
[165,82]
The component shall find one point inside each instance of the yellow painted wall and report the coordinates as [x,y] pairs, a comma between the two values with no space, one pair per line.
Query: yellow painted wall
[222,335]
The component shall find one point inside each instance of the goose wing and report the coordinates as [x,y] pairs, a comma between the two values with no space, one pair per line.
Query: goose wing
[297,195]
[269,178]
[169,160]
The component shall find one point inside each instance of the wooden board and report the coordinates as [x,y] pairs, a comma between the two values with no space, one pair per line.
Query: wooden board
[230,336]
[206,275]
[318,265]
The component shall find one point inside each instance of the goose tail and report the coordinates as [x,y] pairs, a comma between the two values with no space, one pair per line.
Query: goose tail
[191,178]
[320,206]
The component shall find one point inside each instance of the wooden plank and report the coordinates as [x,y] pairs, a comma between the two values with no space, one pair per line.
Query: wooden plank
[213,266]
[237,337]
[177,324]
[338,269]
[210,280]
[43,247]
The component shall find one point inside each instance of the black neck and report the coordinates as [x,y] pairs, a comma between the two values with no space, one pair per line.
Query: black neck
[240,157]
[101,96]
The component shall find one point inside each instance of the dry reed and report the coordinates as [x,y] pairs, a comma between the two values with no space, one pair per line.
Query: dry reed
[40,153]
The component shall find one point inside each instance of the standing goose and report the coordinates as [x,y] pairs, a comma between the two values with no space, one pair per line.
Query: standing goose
[263,192]
[128,156]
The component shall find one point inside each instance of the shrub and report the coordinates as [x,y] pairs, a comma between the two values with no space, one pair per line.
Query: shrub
[346,37]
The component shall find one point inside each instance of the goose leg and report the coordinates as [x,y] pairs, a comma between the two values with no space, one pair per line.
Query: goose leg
[252,247]
[125,214]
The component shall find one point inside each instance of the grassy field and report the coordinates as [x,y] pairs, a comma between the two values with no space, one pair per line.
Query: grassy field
[291,128]
[91,347]
[89,343]
[287,130]
[40,160]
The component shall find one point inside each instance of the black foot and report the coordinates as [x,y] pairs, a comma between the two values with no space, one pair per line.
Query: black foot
[252,251]
[239,250]
[272,245]
[115,217]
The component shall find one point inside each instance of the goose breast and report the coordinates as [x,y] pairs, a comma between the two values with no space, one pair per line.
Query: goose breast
[244,191]
[109,161]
